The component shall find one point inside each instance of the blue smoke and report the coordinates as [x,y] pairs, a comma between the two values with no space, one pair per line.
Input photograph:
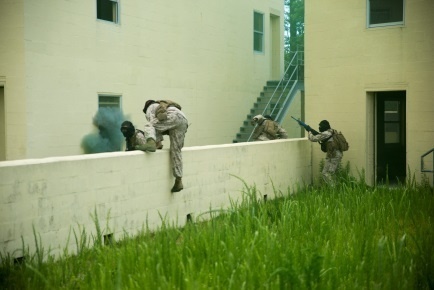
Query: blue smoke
[109,137]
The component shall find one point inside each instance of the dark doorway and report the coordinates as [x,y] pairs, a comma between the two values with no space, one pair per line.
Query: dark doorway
[391,139]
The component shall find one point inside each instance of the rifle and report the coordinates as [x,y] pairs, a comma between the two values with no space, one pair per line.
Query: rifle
[306,126]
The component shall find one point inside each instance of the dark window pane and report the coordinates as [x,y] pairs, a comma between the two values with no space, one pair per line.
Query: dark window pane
[109,101]
[258,22]
[391,111]
[257,42]
[386,11]
[258,31]
[106,10]
[391,133]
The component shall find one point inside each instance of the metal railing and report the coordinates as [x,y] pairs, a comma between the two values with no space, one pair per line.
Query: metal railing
[422,164]
[294,73]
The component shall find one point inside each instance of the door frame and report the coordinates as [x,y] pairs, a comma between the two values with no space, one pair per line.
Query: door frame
[3,122]
[275,47]
[382,161]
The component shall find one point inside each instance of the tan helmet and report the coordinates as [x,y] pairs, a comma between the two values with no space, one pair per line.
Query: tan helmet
[258,119]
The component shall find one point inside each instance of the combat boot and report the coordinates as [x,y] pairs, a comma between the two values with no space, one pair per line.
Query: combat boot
[178,185]
[150,146]
[159,145]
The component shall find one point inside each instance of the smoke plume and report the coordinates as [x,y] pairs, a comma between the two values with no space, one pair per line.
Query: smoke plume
[109,137]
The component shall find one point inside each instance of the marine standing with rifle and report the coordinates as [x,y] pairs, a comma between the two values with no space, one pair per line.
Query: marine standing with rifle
[328,145]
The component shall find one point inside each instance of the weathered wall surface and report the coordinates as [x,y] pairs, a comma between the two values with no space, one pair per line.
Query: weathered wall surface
[56,58]
[128,190]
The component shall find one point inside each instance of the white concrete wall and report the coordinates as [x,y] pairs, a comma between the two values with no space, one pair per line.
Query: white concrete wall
[129,189]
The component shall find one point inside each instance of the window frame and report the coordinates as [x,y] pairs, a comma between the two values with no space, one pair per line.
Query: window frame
[258,32]
[384,24]
[115,10]
[106,104]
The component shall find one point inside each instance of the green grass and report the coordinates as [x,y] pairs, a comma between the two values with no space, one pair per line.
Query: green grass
[350,236]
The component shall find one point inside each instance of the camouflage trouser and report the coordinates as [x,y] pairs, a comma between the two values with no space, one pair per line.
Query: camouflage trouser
[176,126]
[262,137]
[330,167]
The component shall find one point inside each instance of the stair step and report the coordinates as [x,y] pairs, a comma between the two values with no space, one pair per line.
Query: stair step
[279,90]
[262,106]
[246,129]
[268,95]
[243,136]
[276,83]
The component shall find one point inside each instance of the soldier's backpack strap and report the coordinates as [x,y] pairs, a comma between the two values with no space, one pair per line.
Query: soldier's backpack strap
[161,111]
[169,103]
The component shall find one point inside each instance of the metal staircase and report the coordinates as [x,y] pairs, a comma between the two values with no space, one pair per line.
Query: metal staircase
[276,97]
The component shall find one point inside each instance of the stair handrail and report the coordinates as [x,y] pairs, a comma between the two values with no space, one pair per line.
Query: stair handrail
[287,95]
[279,117]
[296,70]
[422,167]
[281,80]
[278,85]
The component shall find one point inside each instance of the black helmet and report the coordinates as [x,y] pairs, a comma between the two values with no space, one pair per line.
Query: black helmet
[127,129]
[324,125]
[147,104]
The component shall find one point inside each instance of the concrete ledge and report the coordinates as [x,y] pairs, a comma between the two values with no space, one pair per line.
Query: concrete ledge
[129,190]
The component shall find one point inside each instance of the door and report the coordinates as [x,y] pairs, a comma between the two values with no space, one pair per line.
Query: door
[275,46]
[391,139]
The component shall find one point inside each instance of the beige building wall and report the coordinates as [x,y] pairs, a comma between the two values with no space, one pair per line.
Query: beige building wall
[131,190]
[296,110]
[347,63]
[57,57]
[12,78]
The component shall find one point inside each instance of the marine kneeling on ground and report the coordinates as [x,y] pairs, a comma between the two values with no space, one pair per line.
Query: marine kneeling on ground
[267,129]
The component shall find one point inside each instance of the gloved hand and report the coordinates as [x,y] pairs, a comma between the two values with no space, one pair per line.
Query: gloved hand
[308,128]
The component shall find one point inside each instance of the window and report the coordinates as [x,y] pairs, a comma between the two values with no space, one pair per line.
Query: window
[108,120]
[258,32]
[391,122]
[107,10]
[109,101]
[385,12]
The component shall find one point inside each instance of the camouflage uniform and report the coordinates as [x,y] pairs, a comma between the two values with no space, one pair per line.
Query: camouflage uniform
[138,138]
[175,126]
[333,156]
[267,129]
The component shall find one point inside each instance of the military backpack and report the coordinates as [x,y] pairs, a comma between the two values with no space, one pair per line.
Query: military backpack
[161,111]
[271,128]
[341,143]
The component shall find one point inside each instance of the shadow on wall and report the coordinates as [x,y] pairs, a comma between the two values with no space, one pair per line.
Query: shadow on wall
[109,137]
